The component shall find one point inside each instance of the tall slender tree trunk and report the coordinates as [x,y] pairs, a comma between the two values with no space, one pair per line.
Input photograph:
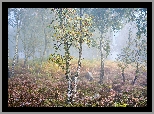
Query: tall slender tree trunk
[123,76]
[67,57]
[33,56]
[102,62]
[25,62]
[137,73]
[137,63]
[25,59]
[67,61]
[16,51]
[17,59]
[8,65]
[45,46]
[79,61]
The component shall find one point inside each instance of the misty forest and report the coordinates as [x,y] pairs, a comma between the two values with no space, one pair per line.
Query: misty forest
[77,57]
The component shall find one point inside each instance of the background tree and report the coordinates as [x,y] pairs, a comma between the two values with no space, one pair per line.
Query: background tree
[29,38]
[124,58]
[15,16]
[141,24]
[136,49]
[106,19]
[35,34]
[8,65]
[139,17]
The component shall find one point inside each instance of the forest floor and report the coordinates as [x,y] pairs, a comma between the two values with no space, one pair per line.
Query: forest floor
[46,86]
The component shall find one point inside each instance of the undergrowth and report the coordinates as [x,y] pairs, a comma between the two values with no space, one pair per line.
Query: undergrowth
[46,86]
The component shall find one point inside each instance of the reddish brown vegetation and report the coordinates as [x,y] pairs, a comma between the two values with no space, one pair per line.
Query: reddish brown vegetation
[35,90]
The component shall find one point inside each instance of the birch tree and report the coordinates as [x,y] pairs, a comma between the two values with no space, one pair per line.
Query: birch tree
[15,20]
[124,57]
[29,36]
[8,65]
[140,42]
[68,33]
[138,48]
[105,19]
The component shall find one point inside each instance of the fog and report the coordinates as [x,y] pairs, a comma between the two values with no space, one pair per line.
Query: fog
[118,40]
[108,45]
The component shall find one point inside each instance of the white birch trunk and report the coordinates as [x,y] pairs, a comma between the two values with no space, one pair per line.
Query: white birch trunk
[16,52]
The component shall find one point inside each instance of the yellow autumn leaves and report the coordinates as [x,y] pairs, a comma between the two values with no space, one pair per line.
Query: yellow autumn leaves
[59,60]
[73,27]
